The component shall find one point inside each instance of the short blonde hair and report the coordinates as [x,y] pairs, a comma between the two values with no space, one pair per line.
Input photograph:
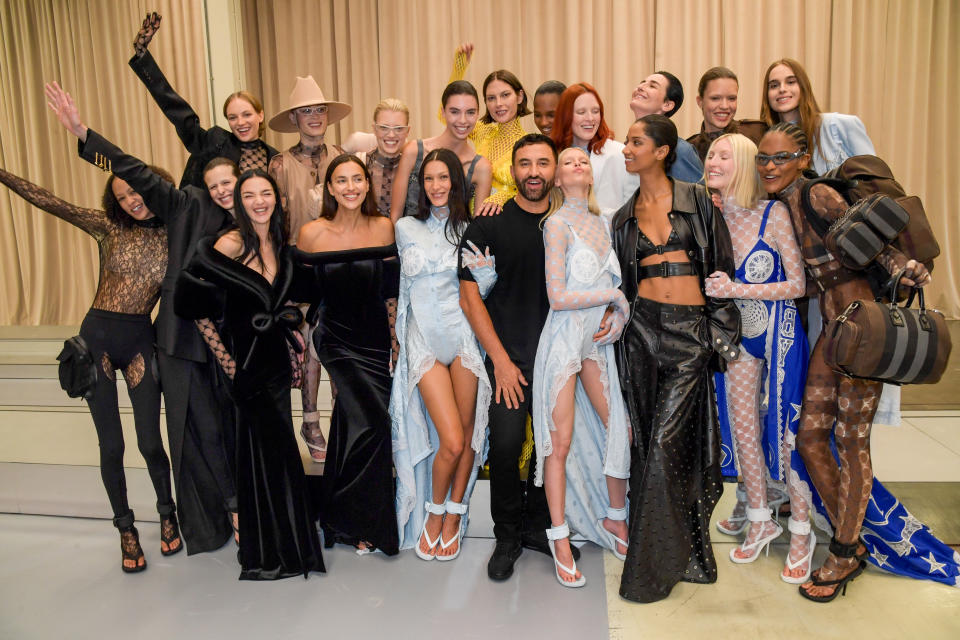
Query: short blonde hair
[391,104]
[745,183]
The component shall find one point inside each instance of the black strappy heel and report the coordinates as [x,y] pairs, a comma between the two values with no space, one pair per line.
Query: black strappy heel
[839,550]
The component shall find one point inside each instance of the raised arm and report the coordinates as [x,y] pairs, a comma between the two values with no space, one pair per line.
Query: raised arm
[160,196]
[93,221]
[719,285]
[830,205]
[174,107]
[461,60]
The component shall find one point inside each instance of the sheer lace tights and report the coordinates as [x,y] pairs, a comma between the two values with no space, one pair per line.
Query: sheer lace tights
[744,378]
[132,373]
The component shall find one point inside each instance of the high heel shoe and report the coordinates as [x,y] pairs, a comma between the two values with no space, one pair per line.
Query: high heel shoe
[457,509]
[756,547]
[776,498]
[437,510]
[839,550]
[737,522]
[131,550]
[610,538]
[560,532]
[800,529]
[312,435]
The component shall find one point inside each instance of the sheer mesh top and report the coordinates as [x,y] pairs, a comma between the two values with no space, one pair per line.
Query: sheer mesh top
[133,258]
[253,155]
[382,170]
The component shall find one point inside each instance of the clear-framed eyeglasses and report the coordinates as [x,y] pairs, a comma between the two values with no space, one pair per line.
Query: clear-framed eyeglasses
[384,129]
[320,109]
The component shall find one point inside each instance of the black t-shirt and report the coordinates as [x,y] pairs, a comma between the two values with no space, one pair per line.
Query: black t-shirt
[518,303]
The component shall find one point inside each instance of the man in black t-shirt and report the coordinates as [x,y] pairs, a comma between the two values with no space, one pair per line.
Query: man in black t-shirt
[508,325]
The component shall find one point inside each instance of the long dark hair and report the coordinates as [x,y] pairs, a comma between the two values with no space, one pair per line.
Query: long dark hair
[249,237]
[456,201]
[663,132]
[112,208]
[329,210]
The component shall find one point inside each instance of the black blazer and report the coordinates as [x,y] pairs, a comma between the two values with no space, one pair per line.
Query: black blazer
[203,144]
[189,213]
[705,237]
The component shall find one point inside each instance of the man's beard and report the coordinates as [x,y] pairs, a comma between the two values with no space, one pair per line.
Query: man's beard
[533,196]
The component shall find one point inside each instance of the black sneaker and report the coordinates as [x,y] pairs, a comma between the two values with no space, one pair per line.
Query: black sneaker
[505,554]
[538,542]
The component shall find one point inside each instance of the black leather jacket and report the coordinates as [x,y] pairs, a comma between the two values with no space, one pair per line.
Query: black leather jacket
[704,236]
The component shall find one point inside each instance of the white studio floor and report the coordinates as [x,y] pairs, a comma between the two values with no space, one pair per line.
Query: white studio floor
[60,575]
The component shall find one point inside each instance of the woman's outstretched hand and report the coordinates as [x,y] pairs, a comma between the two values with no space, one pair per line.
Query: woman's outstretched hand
[62,104]
[467,50]
[149,27]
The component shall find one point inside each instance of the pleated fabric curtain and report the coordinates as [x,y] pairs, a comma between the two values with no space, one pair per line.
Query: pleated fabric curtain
[894,63]
[49,267]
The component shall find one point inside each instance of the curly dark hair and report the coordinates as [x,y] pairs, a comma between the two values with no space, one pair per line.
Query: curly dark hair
[112,208]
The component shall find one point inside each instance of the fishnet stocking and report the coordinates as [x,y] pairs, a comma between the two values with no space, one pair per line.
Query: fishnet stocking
[210,335]
[743,391]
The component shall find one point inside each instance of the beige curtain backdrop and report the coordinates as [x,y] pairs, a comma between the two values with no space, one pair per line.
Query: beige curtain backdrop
[894,63]
[50,267]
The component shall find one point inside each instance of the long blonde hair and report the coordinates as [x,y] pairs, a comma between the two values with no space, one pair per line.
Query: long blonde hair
[745,184]
[556,193]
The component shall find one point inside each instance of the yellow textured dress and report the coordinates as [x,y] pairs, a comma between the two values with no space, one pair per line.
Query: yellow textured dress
[493,141]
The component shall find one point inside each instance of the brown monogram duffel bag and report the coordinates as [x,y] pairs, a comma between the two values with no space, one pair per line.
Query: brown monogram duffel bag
[887,342]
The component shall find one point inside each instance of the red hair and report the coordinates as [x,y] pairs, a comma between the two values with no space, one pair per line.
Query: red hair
[562,133]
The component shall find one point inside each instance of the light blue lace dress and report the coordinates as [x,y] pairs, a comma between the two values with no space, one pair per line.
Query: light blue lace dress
[581,284]
[430,328]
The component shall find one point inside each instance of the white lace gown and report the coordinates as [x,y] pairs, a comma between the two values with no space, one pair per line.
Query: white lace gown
[430,328]
[582,278]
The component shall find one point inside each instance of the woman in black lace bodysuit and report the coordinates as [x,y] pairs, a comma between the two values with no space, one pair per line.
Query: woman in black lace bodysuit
[117,329]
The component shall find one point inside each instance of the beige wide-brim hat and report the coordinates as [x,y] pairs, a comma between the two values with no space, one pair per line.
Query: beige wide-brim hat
[305,93]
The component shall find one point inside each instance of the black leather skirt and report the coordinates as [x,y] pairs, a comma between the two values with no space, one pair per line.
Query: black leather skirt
[675,479]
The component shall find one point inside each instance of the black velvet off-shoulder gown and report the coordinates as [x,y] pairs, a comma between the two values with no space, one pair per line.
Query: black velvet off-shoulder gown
[347,294]
[278,537]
